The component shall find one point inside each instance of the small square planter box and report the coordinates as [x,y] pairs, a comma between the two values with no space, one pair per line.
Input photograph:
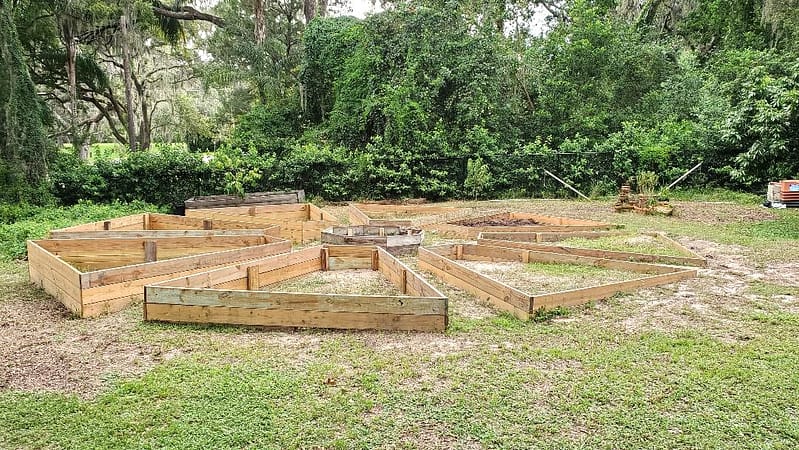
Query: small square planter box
[398,241]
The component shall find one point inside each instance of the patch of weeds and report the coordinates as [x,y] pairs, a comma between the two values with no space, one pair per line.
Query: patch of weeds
[771,289]
[775,318]
[546,315]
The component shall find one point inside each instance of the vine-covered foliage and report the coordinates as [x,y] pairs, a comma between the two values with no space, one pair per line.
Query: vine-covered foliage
[23,143]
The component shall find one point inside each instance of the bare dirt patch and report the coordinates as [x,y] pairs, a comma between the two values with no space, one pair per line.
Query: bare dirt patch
[545,278]
[350,281]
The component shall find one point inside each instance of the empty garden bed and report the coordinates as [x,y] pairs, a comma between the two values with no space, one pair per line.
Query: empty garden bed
[100,275]
[640,247]
[264,293]
[447,262]
[470,228]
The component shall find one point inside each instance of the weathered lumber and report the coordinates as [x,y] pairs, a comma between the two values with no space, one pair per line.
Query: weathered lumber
[605,254]
[439,261]
[470,228]
[229,295]
[136,262]
[396,240]
[252,198]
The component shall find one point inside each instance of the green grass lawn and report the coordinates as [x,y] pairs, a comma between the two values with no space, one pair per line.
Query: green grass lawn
[709,363]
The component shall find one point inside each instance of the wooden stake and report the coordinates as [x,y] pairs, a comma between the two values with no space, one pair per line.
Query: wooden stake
[208,224]
[375,260]
[253,278]
[404,281]
[566,184]
[107,225]
[325,256]
[150,251]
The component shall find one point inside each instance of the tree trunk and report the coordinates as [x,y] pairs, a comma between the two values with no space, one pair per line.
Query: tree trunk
[309,9]
[260,22]
[322,10]
[126,68]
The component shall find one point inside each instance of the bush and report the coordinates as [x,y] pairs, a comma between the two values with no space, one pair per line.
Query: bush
[34,222]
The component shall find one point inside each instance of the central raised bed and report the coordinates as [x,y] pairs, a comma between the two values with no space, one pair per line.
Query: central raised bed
[234,295]
[442,261]
[396,240]
[515,222]
[300,223]
[101,275]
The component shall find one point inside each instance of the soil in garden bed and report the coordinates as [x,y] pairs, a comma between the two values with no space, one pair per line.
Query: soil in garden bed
[350,281]
[497,222]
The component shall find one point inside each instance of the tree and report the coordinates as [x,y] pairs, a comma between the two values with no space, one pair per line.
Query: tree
[24,148]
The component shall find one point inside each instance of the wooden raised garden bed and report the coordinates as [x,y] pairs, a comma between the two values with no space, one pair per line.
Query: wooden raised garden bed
[161,225]
[531,241]
[442,261]
[249,199]
[301,223]
[515,222]
[101,275]
[395,215]
[397,240]
[234,295]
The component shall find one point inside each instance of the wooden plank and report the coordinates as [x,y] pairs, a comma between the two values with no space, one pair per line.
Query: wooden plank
[281,318]
[55,277]
[501,291]
[291,271]
[114,224]
[475,291]
[123,274]
[356,251]
[584,295]
[348,262]
[236,271]
[356,216]
[296,301]
[253,198]
[135,244]
[604,254]
[150,234]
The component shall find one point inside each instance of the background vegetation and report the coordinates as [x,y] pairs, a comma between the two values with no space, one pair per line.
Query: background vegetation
[249,95]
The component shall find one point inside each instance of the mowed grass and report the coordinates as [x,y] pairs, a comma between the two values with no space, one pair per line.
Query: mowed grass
[589,380]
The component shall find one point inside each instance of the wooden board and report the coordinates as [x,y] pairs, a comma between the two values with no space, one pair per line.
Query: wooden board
[440,261]
[605,254]
[294,318]
[252,198]
[226,295]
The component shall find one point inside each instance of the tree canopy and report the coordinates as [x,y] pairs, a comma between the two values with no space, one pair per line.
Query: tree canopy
[397,103]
